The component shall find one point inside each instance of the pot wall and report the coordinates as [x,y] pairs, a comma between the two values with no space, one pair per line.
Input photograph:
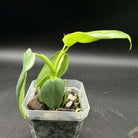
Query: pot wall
[55,129]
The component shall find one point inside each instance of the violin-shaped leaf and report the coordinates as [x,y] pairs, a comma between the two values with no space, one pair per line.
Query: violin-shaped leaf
[52,92]
[87,37]
[28,62]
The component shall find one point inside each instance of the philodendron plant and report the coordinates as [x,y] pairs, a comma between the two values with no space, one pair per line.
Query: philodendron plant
[51,87]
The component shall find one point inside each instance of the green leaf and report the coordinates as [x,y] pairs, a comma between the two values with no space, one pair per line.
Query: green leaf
[48,62]
[65,94]
[63,65]
[21,96]
[87,37]
[28,62]
[45,71]
[52,92]
[42,82]
[19,85]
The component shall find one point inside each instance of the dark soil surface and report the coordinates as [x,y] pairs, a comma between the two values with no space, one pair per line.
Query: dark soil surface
[71,104]
[34,104]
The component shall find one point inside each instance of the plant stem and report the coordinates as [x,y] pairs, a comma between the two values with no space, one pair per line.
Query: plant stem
[62,52]
[65,95]
[48,62]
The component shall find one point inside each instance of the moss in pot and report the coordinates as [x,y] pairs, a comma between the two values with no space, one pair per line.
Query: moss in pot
[55,107]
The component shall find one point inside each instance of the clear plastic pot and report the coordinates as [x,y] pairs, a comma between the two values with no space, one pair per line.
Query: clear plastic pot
[57,124]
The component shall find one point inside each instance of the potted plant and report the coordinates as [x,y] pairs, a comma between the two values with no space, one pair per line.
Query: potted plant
[56,107]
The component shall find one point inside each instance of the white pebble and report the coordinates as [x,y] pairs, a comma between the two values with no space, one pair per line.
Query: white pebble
[69,104]
[71,97]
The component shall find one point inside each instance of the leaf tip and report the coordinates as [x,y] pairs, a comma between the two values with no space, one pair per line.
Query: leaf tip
[130,41]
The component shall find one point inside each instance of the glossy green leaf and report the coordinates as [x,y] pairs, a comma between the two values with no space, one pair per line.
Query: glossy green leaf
[42,82]
[28,62]
[45,71]
[65,94]
[63,65]
[21,97]
[48,62]
[87,37]
[52,92]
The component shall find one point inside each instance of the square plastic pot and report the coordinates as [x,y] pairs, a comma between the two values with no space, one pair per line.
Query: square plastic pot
[57,124]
